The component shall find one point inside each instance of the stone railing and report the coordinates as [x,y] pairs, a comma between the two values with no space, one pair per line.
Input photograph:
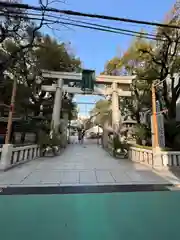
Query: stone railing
[157,159]
[0,152]
[141,155]
[11,156]
[170,159]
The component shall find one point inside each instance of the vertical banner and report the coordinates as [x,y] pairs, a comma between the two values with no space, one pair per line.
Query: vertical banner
[160,124]
[152,130]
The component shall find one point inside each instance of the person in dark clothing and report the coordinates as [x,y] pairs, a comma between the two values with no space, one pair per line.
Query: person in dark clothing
[79,135]
[83,134]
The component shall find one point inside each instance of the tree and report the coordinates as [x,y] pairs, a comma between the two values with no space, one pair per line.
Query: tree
[30,98]
[24,51]
[101,113]
[61,59]
[134,62]
[18,36]
[165,60]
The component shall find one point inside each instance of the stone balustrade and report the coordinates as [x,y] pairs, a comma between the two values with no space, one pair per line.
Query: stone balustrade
[0,152]
[156,159]
[141,155]
[170,158]
[11,156]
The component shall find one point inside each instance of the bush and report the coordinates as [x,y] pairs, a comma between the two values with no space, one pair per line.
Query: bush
[45,140]
[142,132]
[116,142]
[149,147]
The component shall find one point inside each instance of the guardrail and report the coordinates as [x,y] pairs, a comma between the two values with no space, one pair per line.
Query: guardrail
[11,156]
[156,159]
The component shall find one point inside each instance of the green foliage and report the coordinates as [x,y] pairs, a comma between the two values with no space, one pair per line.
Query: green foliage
[45,140]
[61,60]
[102,113]
[116,142]
[142,132]
[24,63]
[55,140]
[153,61]
[149,147]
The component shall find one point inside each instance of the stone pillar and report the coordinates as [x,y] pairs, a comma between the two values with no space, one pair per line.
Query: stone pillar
[115,107]
[6,155]
[65,118]
[105,135]
[157,158]
[57,104]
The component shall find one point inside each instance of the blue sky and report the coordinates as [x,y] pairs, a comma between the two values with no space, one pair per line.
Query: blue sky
[96,48]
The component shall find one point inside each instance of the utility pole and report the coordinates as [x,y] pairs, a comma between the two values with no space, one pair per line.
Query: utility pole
[11,111]
[154,118]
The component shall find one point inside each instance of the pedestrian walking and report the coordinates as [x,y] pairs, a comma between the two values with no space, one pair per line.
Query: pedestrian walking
[79,135]
[82,137]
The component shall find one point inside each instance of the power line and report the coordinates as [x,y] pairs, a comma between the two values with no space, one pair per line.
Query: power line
[81,14]
[105,29]
[93,24]
[92,28]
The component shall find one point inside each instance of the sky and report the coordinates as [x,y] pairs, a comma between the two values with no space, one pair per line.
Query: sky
[95,48]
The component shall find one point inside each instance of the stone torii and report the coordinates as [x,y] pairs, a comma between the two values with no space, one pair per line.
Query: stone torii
[119,86]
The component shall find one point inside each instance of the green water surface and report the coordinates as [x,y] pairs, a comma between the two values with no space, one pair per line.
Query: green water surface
[112,216]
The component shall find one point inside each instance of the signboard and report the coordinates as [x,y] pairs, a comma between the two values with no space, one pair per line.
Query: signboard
[160,124]
[88,80]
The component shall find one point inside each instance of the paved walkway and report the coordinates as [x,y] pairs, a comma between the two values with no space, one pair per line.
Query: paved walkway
[86,164]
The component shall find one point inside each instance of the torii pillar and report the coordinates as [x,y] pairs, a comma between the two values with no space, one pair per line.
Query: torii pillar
[58,89]
[115,107]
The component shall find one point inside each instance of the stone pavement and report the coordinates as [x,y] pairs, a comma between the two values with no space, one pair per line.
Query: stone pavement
[86,164]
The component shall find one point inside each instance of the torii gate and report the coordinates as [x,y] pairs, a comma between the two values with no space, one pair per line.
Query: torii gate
[119,86]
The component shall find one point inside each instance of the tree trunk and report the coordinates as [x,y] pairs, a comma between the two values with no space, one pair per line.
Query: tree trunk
[137,116]
[23,135]
[172,109]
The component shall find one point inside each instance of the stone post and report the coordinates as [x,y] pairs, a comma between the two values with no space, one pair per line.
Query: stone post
[57,105]
[65,118]
[6,155]
[157,159]
[105,135]
[115,107]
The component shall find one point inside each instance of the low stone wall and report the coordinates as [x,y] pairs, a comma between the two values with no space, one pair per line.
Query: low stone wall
[156,159]
[11,156]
